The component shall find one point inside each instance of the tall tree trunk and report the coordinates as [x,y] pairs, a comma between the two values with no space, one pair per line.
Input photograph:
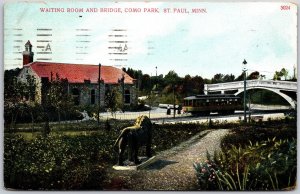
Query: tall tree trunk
[13,121]
[32,121]
[58,111]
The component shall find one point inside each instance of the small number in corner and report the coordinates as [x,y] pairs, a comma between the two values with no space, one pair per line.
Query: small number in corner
[285,7]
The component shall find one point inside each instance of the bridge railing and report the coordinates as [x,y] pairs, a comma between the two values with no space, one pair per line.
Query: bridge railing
[286,85]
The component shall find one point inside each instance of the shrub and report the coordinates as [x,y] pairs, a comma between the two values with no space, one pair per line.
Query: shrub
[75,162]
[241,135]
[265,165]
[55,162]
[206,174]
[24,113]
[107,125]
[175,133]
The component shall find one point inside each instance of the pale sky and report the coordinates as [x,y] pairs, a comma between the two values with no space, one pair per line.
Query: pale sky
[216,41]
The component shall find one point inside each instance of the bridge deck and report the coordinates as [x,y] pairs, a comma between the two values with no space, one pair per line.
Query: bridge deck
[279,85]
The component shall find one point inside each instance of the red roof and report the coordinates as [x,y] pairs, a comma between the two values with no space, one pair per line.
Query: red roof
[78,73]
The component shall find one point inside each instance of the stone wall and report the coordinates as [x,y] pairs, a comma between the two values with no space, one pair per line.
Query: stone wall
[85,93]
[23,77]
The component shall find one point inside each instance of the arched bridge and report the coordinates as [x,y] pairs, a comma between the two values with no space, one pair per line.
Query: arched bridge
[286,89]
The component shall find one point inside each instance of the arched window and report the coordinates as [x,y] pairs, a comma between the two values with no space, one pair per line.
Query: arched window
[93,96]
[127,97]
[76,96]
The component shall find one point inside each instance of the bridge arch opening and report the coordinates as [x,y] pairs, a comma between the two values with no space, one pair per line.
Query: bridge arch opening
[267,97]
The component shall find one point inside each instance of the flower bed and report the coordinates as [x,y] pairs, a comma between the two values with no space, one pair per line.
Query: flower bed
[252,158]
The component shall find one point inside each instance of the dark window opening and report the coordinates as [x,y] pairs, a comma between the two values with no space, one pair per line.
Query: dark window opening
[127,97]
[76,96]
[44,88]
[93,96]
[87,81]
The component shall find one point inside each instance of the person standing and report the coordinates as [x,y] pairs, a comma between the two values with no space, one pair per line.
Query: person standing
[168,110]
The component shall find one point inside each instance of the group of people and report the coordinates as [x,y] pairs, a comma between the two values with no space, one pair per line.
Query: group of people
[179,108]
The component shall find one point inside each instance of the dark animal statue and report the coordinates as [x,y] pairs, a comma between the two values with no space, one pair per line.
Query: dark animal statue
[135,136]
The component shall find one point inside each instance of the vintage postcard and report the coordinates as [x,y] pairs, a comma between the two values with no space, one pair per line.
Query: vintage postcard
[147,96]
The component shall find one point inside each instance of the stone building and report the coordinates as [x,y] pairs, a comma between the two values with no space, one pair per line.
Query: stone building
[82,79]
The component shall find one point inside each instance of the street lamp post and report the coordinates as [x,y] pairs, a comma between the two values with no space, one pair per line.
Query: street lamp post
[122,82]
[156,78]
[99,80]
[174,110]
[244,71]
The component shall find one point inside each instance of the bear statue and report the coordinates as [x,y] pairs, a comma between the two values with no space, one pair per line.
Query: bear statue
[140,134]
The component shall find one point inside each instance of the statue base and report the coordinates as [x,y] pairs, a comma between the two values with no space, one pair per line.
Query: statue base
[131,166]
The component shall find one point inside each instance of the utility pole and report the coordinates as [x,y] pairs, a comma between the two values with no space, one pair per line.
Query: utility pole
[122,82]
[294,68]
[244,71]
[156,78]
[174,101]
[99,80]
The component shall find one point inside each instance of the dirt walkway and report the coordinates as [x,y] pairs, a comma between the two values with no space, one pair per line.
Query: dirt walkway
[173,169]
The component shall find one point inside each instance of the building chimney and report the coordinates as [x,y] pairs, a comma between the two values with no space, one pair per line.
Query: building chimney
[27,54]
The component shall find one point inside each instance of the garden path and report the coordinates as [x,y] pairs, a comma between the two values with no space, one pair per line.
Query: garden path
[173,169]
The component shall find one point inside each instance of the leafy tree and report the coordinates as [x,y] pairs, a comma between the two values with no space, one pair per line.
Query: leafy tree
[135,74]
[187,84]
[198,85]
[157,82]
[167,89]
[173,83]
[146,83]
[19,96]
[277,75]
[240,77]
[207,81]
[294,78]
[31,105]
[138,76]
[228,78]
[35,110]
[151,97]
[284,73]
[57,95]
[253,75]
[218,78]
[10,79]
[113,100]
[172,78]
